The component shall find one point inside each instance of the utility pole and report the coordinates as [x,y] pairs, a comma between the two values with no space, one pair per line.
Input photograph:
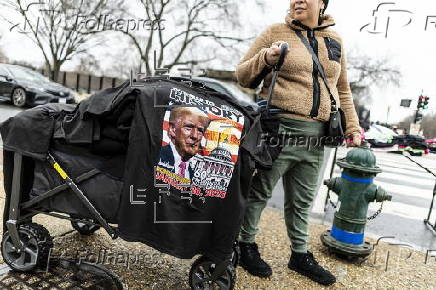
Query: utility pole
[387,114]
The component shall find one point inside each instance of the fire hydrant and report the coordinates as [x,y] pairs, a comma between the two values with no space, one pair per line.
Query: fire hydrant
[355,190]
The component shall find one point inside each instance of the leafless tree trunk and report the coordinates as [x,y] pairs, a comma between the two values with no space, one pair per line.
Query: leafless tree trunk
[428,125]
[59,28]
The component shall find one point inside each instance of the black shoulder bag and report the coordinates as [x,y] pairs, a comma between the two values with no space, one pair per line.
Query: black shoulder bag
[336,125]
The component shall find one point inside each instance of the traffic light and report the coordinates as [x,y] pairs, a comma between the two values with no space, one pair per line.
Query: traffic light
[421,102]
[425,106]
[422,105]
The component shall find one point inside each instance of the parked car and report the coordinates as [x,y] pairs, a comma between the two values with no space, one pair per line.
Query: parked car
[416,145]
[380,137]
[228,89]
[24,86]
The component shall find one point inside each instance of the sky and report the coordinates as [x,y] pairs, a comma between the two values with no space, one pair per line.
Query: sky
[411,48]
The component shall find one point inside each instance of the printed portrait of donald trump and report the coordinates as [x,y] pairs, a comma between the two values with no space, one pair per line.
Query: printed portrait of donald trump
[187,126]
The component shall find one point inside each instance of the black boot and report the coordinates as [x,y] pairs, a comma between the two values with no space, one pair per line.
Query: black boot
[306,265]
[252,262]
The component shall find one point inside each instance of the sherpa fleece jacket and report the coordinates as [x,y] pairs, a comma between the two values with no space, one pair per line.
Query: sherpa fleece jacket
[299,88]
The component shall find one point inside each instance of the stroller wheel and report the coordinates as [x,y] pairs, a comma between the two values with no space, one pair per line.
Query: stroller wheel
[201,271]
[83,228]
[35,252]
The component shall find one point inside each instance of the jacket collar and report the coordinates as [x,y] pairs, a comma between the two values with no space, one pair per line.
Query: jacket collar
[327,21]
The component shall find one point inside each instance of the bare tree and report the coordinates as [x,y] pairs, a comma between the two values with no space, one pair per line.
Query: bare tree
[88,63]
[367,72]
[61,29]
[119,65]
[405,123]
[428,125]
[180,31]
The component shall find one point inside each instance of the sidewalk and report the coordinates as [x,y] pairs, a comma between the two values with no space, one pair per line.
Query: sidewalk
[149,269]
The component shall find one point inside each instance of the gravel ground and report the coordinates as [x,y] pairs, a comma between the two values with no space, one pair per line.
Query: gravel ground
[150,269]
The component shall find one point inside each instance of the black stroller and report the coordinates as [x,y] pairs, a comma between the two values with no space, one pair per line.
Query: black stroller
[105,161]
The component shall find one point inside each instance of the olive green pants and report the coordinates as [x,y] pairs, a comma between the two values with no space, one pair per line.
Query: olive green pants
[299,165]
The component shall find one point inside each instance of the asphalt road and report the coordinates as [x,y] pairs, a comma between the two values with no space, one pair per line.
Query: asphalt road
[7,110]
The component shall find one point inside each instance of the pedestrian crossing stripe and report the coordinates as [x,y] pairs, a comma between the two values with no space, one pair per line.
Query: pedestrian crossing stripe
[401,209]
[423,181]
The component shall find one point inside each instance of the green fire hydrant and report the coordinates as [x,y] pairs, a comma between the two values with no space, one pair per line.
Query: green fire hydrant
[355,190]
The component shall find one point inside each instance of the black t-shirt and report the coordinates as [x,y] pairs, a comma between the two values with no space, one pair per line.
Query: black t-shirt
[191,156]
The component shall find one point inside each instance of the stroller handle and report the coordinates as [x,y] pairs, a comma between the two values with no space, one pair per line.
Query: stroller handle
[283,51]
[276,69]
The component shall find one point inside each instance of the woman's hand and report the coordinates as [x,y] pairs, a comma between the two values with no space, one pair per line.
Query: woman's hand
[273,53]
[354,140]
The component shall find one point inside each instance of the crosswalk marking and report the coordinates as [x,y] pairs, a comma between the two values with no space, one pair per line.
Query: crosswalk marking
[410,186]
[408,167]
[405,190]
[422,181]
[401,209]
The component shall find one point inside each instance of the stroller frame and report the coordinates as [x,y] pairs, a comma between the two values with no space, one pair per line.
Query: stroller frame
[13,218]
[15,207]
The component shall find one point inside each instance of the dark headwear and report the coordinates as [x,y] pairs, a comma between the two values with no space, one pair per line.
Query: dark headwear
[321,12]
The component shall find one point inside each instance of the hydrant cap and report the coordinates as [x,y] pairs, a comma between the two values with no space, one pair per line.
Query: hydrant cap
[360,159]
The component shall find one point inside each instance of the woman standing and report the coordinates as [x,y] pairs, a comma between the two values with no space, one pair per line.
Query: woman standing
[303,104]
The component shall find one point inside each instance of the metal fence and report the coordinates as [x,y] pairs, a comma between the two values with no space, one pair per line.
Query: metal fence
[85,83]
